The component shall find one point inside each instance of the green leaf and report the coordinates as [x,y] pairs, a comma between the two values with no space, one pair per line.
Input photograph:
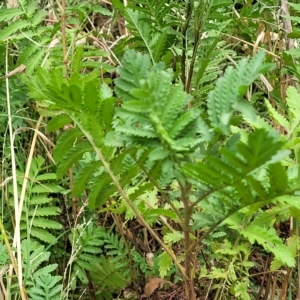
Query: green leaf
[173,237]
[65,142]
[30,7]
[91,76]
[137,106]
[45,270]
[46,287]
[38,17]
[91,97]
[46,176]
[227,93]
[143,28]
[174,105]
[47,188]
[45,223]
[159,212]
[75,94]
[278,178]
[270,241]
[11,29]
[113,139]
[58,122]
[184,120]
[292,100]
[39,199]
[43,235]
[107,275]
[96,197]
[10,13]
[165,263]
[158,154]
[44,211]
[135,66]
[158,44]
[77,60]
[149,134]
[84,175]
[295,6]
[71,157]
[106,113]
[262,146]
[280,119]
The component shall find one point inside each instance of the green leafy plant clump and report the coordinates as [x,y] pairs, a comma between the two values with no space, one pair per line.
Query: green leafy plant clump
[163,141]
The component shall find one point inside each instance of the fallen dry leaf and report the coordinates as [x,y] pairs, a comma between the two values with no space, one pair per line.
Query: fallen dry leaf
[153,284]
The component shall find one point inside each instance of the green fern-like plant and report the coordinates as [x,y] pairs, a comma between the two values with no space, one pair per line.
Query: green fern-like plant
[233,260]
[156,135]
[108,278]
[110,271]
[38,280]
[41,284]
[86,246]
[46,287]
[225,177]
[82,101]
[161,124]
[27,26]
[286,207]
[39,212]
[24,26]
[149,23]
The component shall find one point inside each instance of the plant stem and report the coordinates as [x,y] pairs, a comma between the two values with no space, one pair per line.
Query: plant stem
[9,250]
[63,36]
[188,262]
[189,11]
[128,201]
[15,188]
[199,20]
